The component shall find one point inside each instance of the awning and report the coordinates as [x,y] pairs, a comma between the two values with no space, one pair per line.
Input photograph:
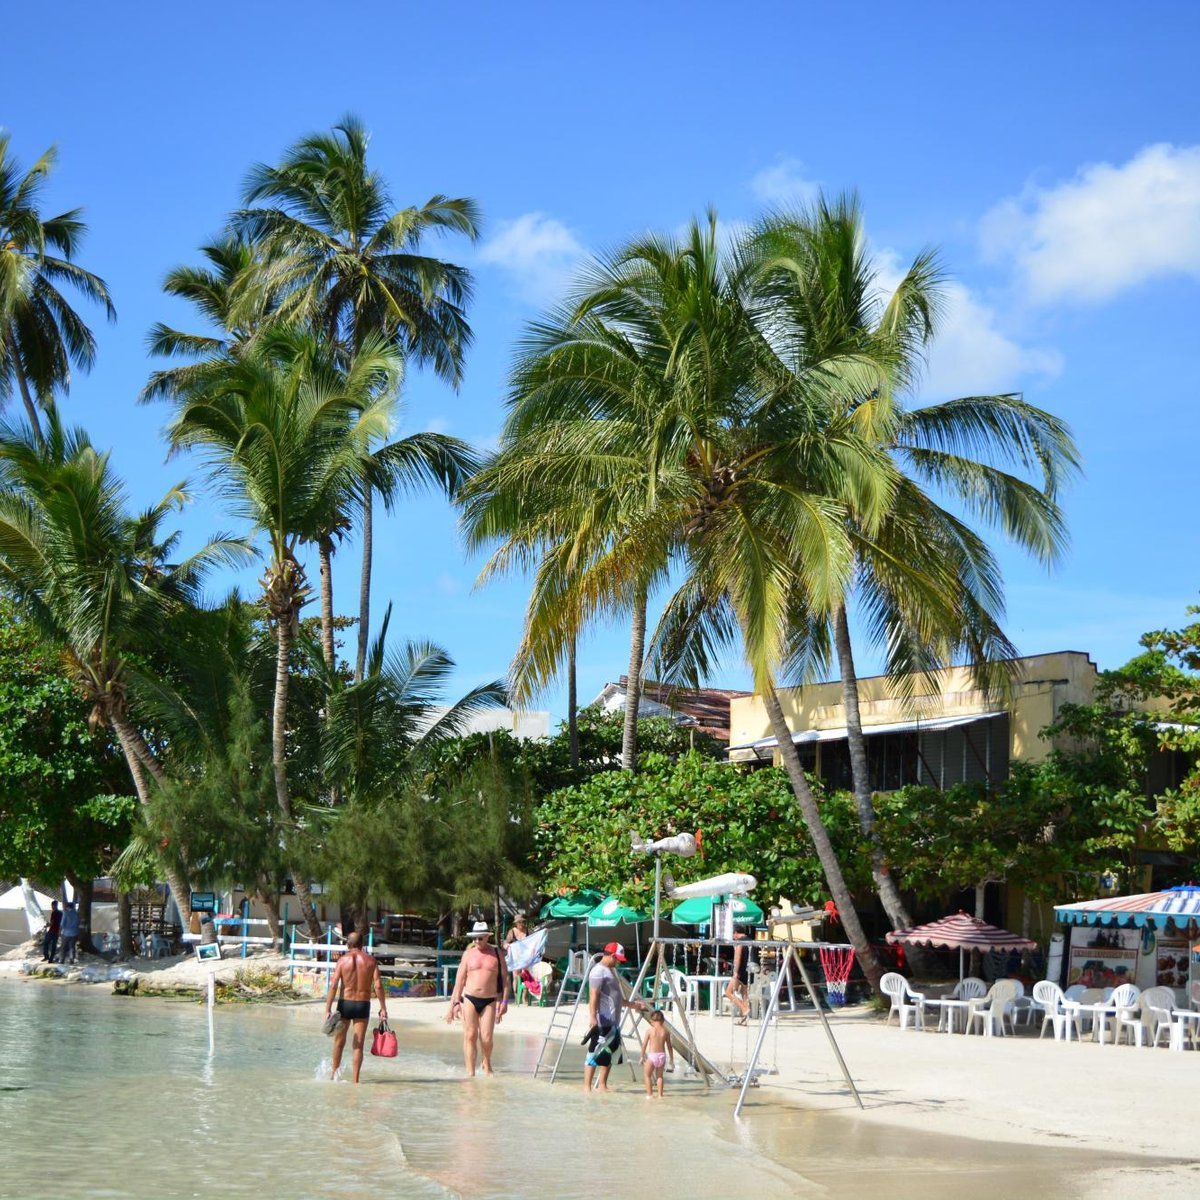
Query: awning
[916,725]
[1179,904]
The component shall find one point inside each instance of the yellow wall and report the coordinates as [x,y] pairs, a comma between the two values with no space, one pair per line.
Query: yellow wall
[1043,683]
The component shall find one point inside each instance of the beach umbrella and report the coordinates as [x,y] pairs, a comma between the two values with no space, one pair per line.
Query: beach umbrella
[698,911]
[573,907]
[611,912]
[961,932]
[1178,904]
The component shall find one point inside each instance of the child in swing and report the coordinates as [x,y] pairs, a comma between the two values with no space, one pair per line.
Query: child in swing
[656,1046]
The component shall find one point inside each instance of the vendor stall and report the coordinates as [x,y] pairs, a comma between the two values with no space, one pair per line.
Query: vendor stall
[1144,939]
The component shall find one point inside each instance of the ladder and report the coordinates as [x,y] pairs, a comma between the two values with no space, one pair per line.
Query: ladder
[566,1005]
[566,1008]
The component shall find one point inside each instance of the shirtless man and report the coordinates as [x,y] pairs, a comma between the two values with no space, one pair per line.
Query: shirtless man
[356,972]
[483,982]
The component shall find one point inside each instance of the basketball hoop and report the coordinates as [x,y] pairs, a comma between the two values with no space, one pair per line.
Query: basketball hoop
[837,965]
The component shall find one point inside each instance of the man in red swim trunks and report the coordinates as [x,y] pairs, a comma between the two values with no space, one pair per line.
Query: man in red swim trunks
[356,973]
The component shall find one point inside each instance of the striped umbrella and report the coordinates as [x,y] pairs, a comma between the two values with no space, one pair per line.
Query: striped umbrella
[1178,904]
[962,932]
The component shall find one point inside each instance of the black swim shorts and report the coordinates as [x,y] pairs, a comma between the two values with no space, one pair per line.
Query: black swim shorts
[354,1010]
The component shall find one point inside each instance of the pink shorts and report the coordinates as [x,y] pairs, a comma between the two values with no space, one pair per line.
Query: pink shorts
[657,1059]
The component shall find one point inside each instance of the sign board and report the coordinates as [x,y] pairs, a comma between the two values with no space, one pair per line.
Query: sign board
[722,921]
[206,951]
[204,902]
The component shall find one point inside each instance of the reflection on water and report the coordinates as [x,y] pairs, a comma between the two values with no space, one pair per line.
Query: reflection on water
[103,1096]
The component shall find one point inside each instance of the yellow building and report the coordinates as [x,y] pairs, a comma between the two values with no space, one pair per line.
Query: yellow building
[940,733]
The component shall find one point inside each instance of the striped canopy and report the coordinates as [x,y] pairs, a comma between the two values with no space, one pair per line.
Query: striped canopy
[1178,904]
[961,932]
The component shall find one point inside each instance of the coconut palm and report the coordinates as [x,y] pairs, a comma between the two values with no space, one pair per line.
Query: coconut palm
[686,454]
[98,581]
[41,335]
[929,586]
[284,431]
[226,294]
[343,259]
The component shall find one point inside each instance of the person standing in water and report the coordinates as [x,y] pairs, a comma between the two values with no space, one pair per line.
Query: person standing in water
[356,974]
[656,1045]
[482,982]
[606,1000]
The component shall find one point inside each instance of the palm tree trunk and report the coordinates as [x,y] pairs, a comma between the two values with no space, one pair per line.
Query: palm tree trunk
[325,554]
[83,901]
[364,585]
[283,642]
[23,384]
[264,895]
[633,693]
[807,804]
[572,705]
[130,740]
[885,885]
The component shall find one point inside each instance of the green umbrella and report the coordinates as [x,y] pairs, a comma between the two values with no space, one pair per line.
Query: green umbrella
[612,912]
[571,908]
[698,911]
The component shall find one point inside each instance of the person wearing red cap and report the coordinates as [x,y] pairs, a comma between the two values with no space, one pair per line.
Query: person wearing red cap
[606,999]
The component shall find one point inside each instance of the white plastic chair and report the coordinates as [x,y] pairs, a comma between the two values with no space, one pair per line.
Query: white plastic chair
[969,988]
[1156,1003]
[992,1010]
[1128,1012]
[906,1003]
[688,990]
[1048,997]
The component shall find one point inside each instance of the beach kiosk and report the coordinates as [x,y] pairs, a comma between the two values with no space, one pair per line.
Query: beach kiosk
[1147,939]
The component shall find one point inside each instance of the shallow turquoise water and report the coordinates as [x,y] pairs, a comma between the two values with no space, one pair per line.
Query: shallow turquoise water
[102,1096]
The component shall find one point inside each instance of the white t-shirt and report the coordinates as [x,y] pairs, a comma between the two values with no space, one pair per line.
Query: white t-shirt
[604,984]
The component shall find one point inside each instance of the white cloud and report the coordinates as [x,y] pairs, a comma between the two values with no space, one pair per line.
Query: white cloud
[538,252]
[437,425]
[1108,229]
[971,354]
[784,184]
[447,585]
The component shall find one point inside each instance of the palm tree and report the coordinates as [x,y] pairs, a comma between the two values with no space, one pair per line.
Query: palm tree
[340,257]
[97,581]
[689,455]
[930,587]
[283,430]
[225,294]
[41,335]
[378,728]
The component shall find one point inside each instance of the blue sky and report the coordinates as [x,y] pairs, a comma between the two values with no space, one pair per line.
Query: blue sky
[1051,151]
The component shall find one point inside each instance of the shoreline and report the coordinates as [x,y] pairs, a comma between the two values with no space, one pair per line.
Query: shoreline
[1022,1091]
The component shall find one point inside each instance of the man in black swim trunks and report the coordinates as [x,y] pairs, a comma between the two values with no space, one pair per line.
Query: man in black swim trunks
[356,973]
[482,982]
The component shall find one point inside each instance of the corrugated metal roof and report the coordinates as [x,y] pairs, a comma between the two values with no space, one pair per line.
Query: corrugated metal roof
[915,725]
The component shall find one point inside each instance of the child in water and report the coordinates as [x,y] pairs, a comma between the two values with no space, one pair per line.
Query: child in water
[655,1048]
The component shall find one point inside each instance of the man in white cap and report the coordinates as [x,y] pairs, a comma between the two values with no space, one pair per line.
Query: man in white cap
[606,999]
[482,982]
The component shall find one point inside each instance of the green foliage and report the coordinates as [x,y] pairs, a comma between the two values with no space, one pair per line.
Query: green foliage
[1044,829]
[746,819]
[60,814]
[546,765]
[434,849]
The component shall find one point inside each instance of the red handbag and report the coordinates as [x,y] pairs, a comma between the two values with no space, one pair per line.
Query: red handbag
[383,1044]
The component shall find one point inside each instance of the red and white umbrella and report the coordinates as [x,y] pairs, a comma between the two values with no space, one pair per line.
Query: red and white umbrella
[962,932]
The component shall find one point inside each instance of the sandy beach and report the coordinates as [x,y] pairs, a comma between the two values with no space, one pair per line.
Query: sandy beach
[1132,1102]
[1023,1090]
